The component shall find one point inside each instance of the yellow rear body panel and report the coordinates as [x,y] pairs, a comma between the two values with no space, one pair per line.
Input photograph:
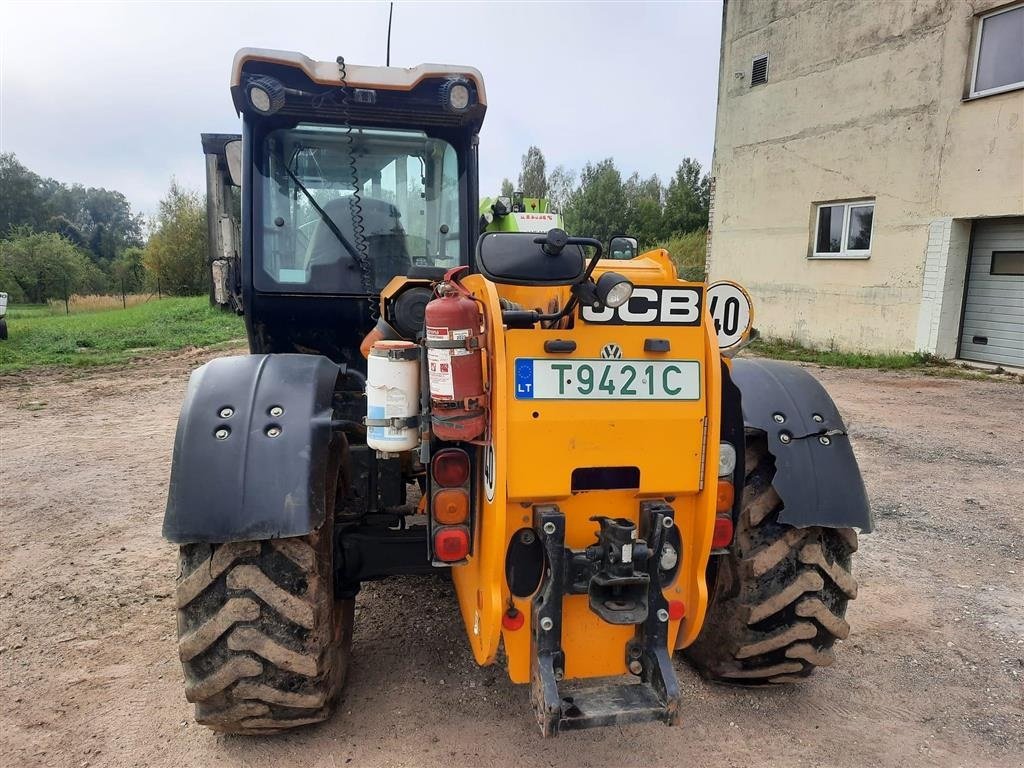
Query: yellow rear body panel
[538,443]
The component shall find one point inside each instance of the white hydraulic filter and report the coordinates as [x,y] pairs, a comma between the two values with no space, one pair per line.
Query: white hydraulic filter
[393,396]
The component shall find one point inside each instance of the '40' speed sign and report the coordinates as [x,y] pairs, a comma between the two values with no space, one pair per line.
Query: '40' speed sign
[732,312]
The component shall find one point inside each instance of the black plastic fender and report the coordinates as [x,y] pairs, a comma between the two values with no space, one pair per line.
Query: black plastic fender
[816,473]
[252,449]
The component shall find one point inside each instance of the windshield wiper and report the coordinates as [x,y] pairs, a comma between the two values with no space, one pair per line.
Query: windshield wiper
[330,224]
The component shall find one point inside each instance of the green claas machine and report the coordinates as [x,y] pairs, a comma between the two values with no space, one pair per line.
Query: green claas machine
[440,386]
[518,213]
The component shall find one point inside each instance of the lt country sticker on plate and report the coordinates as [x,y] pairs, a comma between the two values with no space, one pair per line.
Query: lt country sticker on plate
[601,379]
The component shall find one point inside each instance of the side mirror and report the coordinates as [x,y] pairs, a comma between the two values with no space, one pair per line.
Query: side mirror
[622,247]
[515,258]
[233,156]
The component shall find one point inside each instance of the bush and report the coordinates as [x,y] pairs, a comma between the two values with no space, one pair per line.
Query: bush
[689,252]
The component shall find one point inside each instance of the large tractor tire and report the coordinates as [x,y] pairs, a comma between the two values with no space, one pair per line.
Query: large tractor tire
[778,599]
[263,643]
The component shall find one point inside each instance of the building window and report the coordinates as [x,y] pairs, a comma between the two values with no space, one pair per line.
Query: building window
[1007,263]
[999,52]
[759,70]
[843,230]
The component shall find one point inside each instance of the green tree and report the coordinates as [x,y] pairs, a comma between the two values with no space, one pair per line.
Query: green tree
[98,220]
[598,208]
[561,188]
[115,227]
[175,256]
[533,177]
[22,201]
[506,188]
[101,219]
[687,199]
[45,265]
[644,218]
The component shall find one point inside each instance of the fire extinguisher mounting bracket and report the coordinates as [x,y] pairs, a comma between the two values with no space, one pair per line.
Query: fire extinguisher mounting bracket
[403,422]
[402,353]
[473,342]
[471,402]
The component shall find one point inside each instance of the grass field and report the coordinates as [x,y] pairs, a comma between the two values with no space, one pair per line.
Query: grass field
[38,337]
[916,362]
[79,304]
[788,350]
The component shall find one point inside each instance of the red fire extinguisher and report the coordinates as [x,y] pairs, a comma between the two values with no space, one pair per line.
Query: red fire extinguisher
[455,362]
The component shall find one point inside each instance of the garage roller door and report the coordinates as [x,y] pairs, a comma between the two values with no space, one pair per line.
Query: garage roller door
[993,328]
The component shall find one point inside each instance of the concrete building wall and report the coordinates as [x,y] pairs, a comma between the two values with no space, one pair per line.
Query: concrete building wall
[863,100]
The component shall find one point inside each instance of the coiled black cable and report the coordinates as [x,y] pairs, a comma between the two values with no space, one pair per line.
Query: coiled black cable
[356,201]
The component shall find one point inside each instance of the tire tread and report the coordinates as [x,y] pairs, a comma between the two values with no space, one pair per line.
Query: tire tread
[778,599]
[264,646]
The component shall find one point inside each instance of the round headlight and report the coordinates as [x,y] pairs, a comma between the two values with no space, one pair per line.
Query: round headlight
[260,99]
[726,460]
[458,97]
[613,289]
[266,95]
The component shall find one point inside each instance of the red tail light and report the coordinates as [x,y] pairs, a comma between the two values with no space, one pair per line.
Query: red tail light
[513,619]
[723,532]
[451,544]
[450,467]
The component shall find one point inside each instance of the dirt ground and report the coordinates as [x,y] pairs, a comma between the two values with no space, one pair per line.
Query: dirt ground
[933,673]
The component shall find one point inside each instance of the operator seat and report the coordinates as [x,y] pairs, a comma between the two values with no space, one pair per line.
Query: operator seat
[332,269]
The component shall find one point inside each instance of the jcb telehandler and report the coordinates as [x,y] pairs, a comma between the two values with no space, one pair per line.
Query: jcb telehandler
[604,483]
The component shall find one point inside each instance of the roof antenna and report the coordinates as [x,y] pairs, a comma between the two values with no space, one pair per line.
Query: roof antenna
[391,10]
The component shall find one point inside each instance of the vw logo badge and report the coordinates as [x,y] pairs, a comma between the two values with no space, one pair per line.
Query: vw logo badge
[611,352]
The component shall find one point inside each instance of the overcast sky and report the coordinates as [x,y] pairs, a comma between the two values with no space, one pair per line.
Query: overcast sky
[116,94]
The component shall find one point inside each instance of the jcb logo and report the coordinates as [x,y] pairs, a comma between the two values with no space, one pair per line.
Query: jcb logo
[652,305]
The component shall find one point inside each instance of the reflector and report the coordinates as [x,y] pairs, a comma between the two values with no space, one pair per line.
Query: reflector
[513,619]
[451,544]
[726,495]
[451,506]
[676,609]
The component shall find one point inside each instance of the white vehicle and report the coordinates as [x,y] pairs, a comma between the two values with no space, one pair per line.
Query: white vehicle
[3,315]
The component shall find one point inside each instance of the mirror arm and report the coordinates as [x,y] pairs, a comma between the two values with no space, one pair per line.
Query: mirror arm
[570,305]
[532,316]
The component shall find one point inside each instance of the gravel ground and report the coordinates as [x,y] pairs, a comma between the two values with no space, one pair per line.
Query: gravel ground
[933,673]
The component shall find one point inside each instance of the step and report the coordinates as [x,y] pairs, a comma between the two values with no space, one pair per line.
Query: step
[593,706]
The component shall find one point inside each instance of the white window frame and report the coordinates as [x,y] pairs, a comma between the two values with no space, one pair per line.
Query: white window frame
[977,56]
[844,252]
